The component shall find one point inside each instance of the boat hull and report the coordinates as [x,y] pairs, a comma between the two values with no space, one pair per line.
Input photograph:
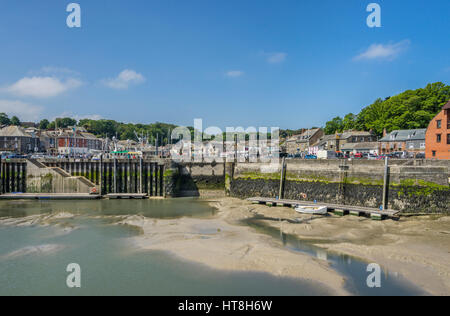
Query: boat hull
[314,210]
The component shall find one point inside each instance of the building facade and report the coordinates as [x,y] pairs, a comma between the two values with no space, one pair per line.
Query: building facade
[16,140]
[438,135]
[403,141]
[304,142]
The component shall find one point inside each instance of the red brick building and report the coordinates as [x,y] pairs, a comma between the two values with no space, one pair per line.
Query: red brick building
[438,135]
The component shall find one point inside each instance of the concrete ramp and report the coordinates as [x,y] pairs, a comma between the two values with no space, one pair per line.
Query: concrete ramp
[42,179]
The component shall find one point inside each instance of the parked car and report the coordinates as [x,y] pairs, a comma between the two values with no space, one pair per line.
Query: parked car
[420,156]
[358,156]
[310,157]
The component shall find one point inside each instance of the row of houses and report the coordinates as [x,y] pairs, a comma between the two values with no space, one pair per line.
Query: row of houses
[432,142]
[68,142]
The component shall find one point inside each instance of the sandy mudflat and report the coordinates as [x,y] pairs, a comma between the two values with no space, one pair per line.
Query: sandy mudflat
[221,244]
[418,248]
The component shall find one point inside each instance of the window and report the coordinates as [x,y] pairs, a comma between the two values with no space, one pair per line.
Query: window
[448,139]
[439,123]
[434,153]
[438,138]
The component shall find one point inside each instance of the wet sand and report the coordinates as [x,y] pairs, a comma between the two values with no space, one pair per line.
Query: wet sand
[418,248]
[223,243]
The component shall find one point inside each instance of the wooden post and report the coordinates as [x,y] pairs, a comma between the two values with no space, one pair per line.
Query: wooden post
[161,180]
[1,175]
[283,176]
[101,174]
[386,184]
[140,175]
[115,175]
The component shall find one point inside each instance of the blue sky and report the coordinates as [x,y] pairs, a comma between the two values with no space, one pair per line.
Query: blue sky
[284,63]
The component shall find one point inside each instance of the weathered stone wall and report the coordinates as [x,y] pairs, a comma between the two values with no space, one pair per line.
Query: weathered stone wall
[189,179]
[41,179]
[413,188]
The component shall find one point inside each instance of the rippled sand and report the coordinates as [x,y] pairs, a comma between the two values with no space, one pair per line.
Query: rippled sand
[418,248]
[222,243]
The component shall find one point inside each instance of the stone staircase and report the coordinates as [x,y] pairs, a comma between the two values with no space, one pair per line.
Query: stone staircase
[43,179]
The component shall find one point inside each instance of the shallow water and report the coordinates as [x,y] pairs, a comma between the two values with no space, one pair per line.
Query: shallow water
[33,258]
[353,269]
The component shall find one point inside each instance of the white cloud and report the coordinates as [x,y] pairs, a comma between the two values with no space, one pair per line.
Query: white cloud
[124,80]
[42,87]
[24,111]
[384,51]
[234,73]
[275,58]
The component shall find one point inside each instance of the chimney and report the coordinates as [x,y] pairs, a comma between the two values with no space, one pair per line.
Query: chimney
[384,132]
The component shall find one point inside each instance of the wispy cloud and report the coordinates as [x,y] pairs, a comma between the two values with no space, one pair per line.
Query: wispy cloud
[42,87]
[124,80]
[80,117]
[235,73]
[55,71]
[276,57]
[384,51]
[25,111]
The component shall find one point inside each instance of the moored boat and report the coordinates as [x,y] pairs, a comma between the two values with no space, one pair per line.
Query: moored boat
[316,210]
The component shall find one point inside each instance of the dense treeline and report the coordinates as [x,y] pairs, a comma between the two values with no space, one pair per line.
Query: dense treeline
[408,110]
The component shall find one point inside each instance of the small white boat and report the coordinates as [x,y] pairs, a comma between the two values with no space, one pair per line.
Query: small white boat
[316,210]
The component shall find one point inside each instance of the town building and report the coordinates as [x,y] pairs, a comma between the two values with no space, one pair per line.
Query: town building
[411,142]
[350,149]
[329,142]
[305,142]
[347,141]
[438,135]
[71,142]
[15,139]
[351,136]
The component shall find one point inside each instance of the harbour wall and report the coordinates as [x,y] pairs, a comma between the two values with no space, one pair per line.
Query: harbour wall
[82,176]
[414,186]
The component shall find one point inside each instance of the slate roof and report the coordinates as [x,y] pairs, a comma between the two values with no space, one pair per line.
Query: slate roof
[13,131]
[405,135]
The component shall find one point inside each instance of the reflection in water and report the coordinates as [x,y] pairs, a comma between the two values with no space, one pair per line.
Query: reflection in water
[109,264]
[354,270]
[149,208]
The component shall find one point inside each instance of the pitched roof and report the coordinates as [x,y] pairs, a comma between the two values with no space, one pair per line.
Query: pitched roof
[360,146]
[13,131]
[303,138]
[447,106]
[405,135]
[348,134]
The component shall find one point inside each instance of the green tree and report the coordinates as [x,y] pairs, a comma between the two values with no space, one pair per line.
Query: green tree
[43,124]
[64,122]
[333,126]
[4,119]
[15,121]
[408,110]
[349,122]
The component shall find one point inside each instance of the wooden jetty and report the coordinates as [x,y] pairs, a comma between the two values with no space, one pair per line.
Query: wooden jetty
[127,196]
[49,196]
[342,210]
